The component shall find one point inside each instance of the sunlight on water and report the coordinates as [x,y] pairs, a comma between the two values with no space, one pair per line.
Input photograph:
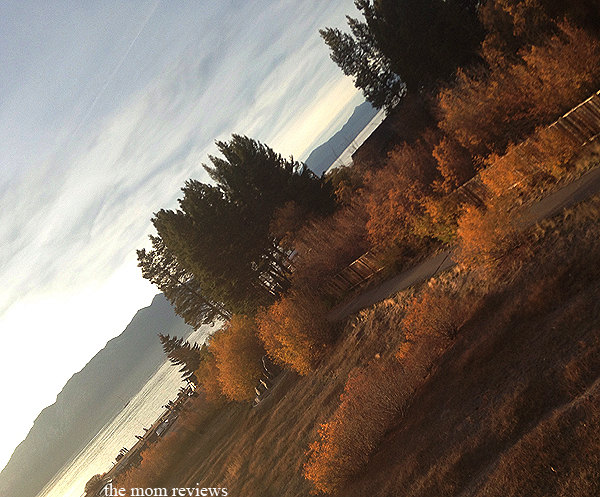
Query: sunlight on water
[141,412]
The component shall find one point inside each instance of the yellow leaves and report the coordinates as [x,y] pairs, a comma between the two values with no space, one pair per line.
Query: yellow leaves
[294,331]
[208,376]
[487,109]
[486,237]
[395,193]
[372,398]
[237,353]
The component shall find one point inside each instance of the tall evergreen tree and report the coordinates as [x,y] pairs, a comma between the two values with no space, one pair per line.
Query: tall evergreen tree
[221,237]
[162,269]
[405,42]
[216,242]
[182,353]
[357,56]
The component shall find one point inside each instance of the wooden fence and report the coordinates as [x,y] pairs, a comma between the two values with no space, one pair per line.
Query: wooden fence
[578,127]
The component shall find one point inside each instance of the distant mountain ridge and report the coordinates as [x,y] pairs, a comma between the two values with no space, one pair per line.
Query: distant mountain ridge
[323,157]
[90,399]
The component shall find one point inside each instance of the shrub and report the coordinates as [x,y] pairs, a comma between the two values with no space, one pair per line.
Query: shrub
[156,463]
[486,236]
[237,352]
[436,310]
[327,245]
[395,193]
[372,400]
[487,109]
[294,331]
[208,376]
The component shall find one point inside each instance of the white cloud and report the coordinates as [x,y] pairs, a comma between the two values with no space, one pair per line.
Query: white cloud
[107,109]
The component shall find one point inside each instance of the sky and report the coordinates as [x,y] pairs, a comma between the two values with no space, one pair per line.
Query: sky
[106,108]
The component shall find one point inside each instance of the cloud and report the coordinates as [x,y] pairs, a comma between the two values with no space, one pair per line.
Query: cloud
[78,214]
[107,110]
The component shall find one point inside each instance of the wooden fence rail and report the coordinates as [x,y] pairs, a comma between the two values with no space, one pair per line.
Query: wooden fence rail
[578,126]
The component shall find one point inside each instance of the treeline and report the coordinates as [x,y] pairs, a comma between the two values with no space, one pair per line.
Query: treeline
[463,82]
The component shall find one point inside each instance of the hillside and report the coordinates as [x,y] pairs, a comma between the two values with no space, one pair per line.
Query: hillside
[322,157]
[90,399]
[507,404]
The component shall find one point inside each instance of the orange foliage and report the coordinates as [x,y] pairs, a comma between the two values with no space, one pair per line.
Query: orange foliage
[487,109]
[327,245]
[395,192]
[562,72]
[375,395]
[454,164]
[486,236]
[294,331]
[156,463]
[437,310]
[208,376]
[372,400]
[237,353]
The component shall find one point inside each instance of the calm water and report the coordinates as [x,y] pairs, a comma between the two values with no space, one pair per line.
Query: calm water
[140,413]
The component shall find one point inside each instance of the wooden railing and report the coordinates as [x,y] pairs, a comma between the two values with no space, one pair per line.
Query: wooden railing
[580,125]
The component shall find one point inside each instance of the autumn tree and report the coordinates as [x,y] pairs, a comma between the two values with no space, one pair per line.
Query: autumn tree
[208,379]
[489,107]
[487,236]
[395,193]
[512,25]
[237,352]
[373,397]
[454,162]
[326,245]
[294,331]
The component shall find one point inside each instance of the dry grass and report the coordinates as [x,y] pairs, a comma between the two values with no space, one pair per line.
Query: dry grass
[512,408]
[509,407]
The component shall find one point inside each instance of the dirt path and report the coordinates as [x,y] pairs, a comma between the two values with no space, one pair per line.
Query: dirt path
[566,197]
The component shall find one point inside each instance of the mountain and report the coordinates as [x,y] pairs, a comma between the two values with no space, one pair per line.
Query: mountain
[322,157]
[91,398]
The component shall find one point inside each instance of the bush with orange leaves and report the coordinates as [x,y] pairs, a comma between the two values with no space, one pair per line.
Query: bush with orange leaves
[489,108]
[237,352]
[439,309]
[376,395]
[436,310]
[395,192]
[208,377]
[487,236]
[372,399]
[546,155]
[454,163]
[327,245]
[294,331]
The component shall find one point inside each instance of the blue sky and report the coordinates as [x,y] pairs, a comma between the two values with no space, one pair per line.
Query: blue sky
[106,108]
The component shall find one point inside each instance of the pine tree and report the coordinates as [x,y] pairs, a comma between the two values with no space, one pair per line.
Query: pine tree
[405,45]
[182,353]
[162,269]
[220,239]
[370,69]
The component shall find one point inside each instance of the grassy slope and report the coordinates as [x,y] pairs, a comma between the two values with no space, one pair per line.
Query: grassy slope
[512,408]
[514,405]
